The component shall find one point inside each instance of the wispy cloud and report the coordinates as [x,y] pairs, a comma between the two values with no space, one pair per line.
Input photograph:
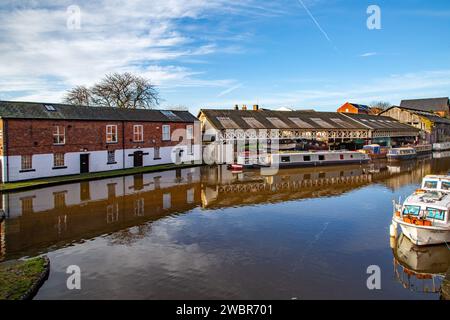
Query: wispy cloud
[368,54]
[229,90]
[41,57]
[392,88]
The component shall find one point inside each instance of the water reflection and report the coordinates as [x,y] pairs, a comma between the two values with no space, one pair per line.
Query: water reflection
[205,232]
[56,216]
[420,269]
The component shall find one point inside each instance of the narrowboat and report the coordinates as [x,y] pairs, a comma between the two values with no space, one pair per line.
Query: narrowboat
[423,217]
[403,153]
[313,158]
[423,148]
[442,146]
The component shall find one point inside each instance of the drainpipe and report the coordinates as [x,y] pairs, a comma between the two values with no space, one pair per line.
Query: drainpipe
[6,148]
[123,144]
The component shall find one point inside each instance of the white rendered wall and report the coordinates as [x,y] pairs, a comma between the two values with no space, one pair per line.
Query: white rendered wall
[43,163]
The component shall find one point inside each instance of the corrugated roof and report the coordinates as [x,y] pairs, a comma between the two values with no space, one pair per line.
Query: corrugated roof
[33,110]
[379,122]
[433,104]
[302,120]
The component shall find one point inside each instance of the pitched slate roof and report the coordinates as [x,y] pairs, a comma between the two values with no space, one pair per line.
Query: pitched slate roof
[380,122]
[33,110]
[272,119]
[361,107]
[433,104]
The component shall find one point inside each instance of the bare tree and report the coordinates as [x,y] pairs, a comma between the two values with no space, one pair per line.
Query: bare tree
[79,95]
[379,106]
[119,90]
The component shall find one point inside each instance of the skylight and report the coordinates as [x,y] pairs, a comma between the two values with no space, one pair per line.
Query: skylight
[300,123]
[277,122]
[49,107]
[169,114]
[227,123]
[252,122]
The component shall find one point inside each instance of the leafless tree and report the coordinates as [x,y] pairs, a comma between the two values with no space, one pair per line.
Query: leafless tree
[119,90]
[79,95]
[379,106]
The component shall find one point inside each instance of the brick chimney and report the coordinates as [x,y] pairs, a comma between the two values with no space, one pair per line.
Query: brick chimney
[244,107]
[236,107]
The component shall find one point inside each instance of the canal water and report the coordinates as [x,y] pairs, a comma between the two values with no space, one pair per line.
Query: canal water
[206,233]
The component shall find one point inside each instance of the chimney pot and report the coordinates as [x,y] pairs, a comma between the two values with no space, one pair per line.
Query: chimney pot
[255,107]
[244,107]
[236,107]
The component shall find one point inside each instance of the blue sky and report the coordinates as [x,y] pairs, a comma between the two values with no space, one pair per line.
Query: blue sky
[219,53]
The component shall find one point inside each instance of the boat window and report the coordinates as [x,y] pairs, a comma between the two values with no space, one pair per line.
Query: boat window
[430,184]
[341,157]
[321,157]
[285,159]
[435,214]
[306,158]
[413,210]
[445,185]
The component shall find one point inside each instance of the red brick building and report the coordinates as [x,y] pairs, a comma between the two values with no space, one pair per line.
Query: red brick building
[42,140]
[354,108]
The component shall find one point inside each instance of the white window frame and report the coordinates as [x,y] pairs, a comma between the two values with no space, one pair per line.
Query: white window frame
[60,165]
[26,164]
[138,130]
[110,128]
[190,132]
[166,135]
[57,135]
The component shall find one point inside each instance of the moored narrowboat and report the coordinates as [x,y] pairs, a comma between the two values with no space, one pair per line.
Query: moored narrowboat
[317,158]
[403,153]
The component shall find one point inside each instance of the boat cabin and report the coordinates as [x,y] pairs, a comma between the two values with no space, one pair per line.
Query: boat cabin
[436,183]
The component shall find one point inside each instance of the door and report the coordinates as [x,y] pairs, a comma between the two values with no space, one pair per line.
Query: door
[84,163]
[138,162]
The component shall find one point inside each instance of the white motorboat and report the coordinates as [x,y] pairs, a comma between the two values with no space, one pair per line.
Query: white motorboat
[424,216]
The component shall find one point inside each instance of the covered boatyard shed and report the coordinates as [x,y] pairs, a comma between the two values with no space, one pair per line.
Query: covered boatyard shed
[300,129]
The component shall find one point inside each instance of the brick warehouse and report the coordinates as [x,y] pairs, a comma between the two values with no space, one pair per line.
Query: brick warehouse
[40,140]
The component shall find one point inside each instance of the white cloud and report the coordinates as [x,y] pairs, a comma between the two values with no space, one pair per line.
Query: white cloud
[369,54]
[393,89]
[41,57]
[229,90]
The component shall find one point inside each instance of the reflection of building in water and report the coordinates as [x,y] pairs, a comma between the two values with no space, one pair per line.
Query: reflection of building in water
[60,214]
[412,172]
[222,188]
[420,268]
